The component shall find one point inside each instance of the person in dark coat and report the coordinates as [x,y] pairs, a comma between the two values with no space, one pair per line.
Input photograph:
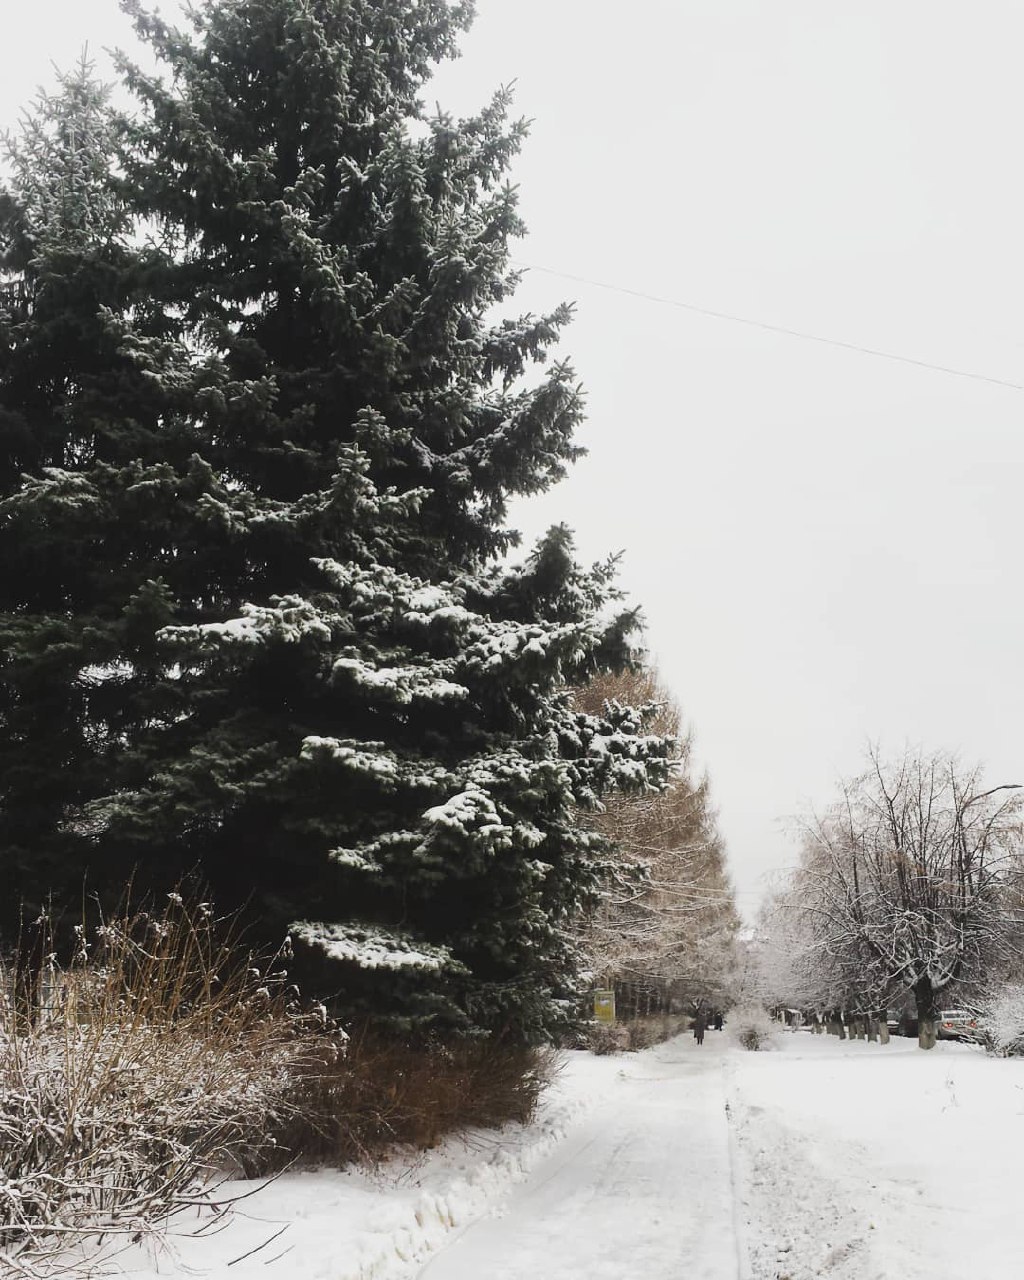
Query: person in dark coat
[718,1019]
[700,1025]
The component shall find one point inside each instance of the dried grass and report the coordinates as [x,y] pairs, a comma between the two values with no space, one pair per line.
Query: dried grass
[164,1057]
[161,1056]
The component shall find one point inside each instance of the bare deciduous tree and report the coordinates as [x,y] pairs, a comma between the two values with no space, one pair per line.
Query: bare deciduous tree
[902,881]
[667,920]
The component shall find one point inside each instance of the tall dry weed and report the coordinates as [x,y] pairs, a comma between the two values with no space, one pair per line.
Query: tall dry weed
[161,1055]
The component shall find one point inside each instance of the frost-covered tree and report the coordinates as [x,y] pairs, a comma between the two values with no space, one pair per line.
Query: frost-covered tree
[902,881]
[786,964]
[302,666]
[61,166]
[666,920]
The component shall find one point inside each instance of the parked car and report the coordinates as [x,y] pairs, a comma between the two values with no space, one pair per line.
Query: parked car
[956,1024]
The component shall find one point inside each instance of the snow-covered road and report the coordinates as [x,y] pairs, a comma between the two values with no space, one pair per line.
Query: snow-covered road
[846,1161]
[643,1188]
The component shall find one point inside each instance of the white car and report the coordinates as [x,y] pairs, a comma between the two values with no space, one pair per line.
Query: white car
[956,1024]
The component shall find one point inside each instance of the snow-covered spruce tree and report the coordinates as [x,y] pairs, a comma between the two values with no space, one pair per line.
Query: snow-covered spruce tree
[309,675]
[70,404]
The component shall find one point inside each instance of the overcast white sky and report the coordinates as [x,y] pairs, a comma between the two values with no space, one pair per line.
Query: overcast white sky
[827,545]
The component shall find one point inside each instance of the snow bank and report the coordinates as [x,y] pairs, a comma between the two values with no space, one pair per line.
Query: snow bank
[846,1160]
[355,1225]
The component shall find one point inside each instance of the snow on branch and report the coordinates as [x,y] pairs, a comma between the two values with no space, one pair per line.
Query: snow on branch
[289,619]
[371,947]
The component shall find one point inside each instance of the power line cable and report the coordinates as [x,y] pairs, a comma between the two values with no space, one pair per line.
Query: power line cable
[776,328]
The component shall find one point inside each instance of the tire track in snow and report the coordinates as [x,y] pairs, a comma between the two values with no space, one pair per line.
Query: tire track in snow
[800,1220]
[739,1222]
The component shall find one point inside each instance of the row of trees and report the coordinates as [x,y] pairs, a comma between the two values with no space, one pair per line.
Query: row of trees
[908,885]
[665,930]
[263,405]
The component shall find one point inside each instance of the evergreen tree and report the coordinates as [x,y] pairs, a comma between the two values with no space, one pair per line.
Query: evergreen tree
[278,566]
[65,260]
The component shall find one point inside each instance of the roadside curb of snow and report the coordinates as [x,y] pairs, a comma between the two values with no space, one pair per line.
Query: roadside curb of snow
[400,1248]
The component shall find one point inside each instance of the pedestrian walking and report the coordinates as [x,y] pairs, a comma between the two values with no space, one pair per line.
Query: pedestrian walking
[718,1020]
[700,1025]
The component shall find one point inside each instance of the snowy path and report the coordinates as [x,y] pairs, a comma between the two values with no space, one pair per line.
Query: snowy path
[642,1188]
[840,1161]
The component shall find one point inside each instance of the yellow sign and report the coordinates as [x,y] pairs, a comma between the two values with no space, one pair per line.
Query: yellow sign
[604,1007]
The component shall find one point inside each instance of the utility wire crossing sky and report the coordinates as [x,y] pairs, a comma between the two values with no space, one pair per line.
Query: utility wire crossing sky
[774,328]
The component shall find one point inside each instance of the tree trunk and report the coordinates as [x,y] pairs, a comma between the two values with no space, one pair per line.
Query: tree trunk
[883,1031]
[926,998]
[872,1025]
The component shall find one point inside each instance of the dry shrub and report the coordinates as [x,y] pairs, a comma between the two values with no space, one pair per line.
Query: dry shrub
[636,1034]
[604,1039]
[165,1057]
[645,1032]
[162,1055]
[385,1092]
[751,1028]
[642,1033]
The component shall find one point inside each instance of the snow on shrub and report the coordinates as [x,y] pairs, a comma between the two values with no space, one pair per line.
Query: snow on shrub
[1001,1020]
[161,1057]
[751,1027]
[603,1039]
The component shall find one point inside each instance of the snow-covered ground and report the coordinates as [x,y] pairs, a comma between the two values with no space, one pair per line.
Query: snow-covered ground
[848,1160]
[863,1161]
[381,1225]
